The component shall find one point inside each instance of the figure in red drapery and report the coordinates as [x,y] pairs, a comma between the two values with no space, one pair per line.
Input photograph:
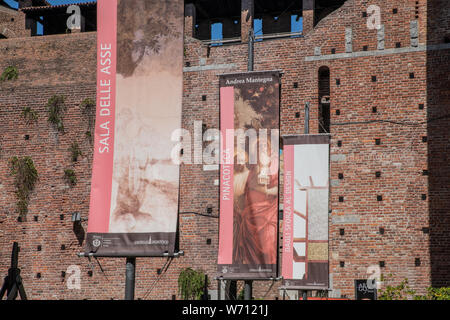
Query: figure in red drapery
[255,234]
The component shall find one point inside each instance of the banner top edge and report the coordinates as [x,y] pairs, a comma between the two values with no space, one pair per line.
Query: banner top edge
[306,139]
[249,72]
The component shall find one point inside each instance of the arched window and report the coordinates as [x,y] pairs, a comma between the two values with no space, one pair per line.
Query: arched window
[324,100]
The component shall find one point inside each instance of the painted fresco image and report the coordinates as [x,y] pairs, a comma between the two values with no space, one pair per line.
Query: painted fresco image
[148,110]
[249,218]
[255,185]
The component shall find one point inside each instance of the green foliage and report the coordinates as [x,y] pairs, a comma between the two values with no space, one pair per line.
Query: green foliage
[75,151]
[88,105]
[401,291]
[241,294]
[26,177]
[70,177]
[435,294]
[29,114]
[56,107]
[88,108]
[191,284]
[10,73]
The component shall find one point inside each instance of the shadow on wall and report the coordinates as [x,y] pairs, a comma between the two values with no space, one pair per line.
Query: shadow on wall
[438,111]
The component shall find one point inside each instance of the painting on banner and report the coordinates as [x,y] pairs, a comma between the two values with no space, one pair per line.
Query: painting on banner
[139,102]
[250,121]
[305,211]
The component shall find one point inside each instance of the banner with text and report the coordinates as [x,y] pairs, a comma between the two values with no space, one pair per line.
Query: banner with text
[305,211]
[249,125]
[135,184]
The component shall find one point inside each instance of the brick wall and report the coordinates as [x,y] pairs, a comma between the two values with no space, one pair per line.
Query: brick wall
[65,64]
[12,23]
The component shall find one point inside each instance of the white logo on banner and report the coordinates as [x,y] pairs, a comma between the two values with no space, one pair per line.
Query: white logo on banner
[96,243]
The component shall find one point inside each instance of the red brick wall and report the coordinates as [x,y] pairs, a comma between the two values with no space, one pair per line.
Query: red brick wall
[65,64]
[12,23]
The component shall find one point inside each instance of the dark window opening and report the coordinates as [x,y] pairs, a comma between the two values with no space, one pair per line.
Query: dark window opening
[324,100]
[324,7]
[274,17]
[217,20]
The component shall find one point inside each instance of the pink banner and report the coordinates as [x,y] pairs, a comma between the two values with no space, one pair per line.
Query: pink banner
[227,175]
[135,182]
[249,175]
[288,212]
[305,219]
[102,168]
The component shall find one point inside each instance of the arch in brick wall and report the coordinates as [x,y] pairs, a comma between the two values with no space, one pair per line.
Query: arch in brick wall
[324,99]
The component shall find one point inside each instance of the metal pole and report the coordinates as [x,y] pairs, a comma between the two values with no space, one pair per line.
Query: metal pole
[304,295]
[248,290]
[248,287]
[307,118]
[130,278]
[251,49]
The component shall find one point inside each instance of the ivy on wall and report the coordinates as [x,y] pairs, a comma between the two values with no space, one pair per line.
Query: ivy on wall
[26,177]
[56,108]
[70,177]
[29,115]
[10,73]
[75,151]
[191,284]
[88,109]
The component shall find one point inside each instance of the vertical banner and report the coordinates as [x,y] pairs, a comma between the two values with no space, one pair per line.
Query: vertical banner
[135,183]
[249,171]
[305,223]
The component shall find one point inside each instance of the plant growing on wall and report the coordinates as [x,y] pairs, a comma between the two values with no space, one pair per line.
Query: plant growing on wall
[88,108]
[70,177]
[191,284]
[29,114]
[402,291]
[75,151]
[435,294]
[26,177]
[10,73]
[56,107]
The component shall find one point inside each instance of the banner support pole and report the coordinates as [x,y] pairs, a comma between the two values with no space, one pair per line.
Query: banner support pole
[248,290]
[304,294]
[307,118]
[130,276]
[248,287]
